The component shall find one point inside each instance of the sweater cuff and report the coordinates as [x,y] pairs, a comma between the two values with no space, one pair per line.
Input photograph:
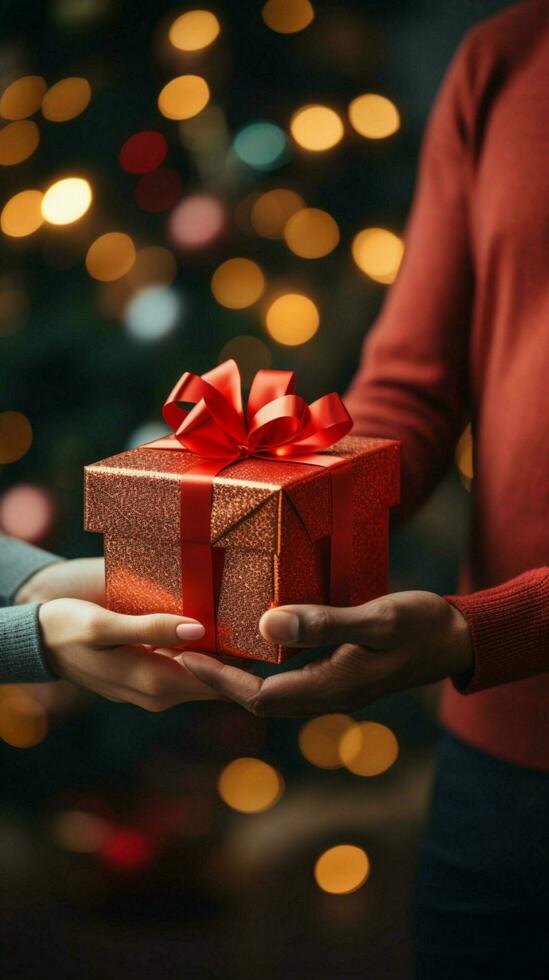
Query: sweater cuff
[18,561]
[509,627]
[21,655]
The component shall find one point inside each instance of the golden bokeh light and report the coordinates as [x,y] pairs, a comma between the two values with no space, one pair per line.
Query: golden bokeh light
[18,141]
[319,740]
[250,353]
[154,265]
[110,256]
[378,252]
[368,748]
[22,215]
[288,16]
[342,869]
[311,233]
[238,283]
[15,436]
[23,721]
[23,97]
[184,97]
[464,457]
[66,201]
[271,210]
[374,116]
[79,831]
[292,319]
[194,30]
[250,785]
[66,99]
[316,128]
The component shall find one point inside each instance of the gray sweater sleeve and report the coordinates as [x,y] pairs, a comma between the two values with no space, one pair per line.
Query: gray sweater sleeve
[21,655]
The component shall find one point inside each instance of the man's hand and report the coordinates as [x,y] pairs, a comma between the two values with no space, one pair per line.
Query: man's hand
[81,578]
[113,655]
[395,642]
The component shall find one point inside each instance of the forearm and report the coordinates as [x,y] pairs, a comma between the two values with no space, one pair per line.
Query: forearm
[18,562]
[22,658]
[509,626]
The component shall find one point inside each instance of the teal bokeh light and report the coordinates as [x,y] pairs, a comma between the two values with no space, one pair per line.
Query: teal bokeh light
[261,145]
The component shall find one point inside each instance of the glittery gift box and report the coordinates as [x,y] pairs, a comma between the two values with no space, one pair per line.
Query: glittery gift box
[270,532]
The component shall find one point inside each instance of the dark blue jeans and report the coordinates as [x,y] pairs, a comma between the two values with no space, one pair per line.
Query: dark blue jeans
[482,898]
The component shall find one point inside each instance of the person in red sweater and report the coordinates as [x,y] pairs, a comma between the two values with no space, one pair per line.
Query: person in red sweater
[463,335]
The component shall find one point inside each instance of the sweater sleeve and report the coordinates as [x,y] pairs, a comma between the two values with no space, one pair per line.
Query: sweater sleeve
[412,381]
[18,561]
[509,627]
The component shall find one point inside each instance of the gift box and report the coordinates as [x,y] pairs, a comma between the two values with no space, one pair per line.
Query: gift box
[222,521]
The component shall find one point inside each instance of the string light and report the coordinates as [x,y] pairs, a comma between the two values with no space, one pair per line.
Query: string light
[18,141]
[378,252]
[271,211]
[194,30]
[26,512]
[311,233]
[66,99]
[250,785]
[143,152]
[110,256]
[374,116]
[159,190]
[66,201]
[23,721]
[316,128]
[261,145]
[238,283]
[23,97]
[368,748]
[250,353]
[15,436]
[288,16]
[22,215]
[197,222]
[292,319]
[153,313]
[319,740]
[342,869]
[184,97]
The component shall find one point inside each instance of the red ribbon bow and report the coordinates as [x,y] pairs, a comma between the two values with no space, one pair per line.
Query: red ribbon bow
[277,425]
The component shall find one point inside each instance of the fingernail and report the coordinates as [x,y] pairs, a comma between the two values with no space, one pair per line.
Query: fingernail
[189,631]
[279,626]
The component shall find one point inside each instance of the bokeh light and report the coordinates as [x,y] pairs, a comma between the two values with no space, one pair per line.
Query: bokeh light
[319,740]
[18,141]
[194,30]
[292,319]
[148,432]
[184,97]
[143,152]
[271,210]
[153,313]
[14,305]
[66,201]
[368,748]
[464,457]
[250,353]
[378,252]
[250,785]
[22,215]
[66,99]
[316,128]
[311,233]
[261,145]
[110,256]
[23,97]
[374,116]
[126,849]
[80,832]
[15,436]
[238,283]
[159,190]
[342,869]
[154,265]
[288,16]
[197,222]
[23,720]
[26,512]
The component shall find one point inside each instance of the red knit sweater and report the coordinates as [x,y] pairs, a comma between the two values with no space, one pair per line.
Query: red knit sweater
[464,335]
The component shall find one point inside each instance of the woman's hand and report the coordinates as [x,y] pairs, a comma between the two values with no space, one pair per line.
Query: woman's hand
[80,578]
[395,642]
[106,653]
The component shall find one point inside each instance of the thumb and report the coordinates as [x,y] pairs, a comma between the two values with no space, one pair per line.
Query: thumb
[311,626]
[156,630]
